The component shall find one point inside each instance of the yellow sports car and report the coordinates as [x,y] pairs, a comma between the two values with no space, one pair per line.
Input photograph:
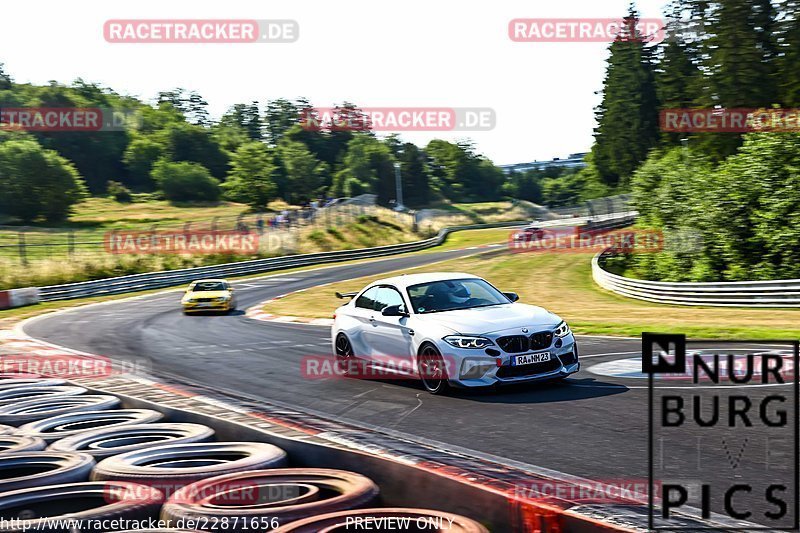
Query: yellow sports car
[208,295]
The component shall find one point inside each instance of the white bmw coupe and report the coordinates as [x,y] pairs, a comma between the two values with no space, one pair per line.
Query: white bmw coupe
[450,329]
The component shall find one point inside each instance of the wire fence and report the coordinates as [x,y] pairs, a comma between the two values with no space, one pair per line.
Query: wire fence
[278,233]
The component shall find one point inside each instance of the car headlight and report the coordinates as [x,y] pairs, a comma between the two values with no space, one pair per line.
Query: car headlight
[467,341]
[221,298]
[562,330]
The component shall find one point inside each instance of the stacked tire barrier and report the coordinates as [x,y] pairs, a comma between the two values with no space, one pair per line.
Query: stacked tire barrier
[95,466]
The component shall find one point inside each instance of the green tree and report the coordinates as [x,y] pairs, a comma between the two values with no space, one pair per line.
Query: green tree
[185,181]
[627,117]
[188,142]
[251,178]
[244,116]
[414,175]
[368,167]
[37,183]
[305,174]
[788,70]
[140,156]
[280,115]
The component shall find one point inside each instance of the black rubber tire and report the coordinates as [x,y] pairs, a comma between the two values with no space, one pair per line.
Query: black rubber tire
[346,360]
[432,370]
[105,442]
[69,424]
[312,491]
[338,521]
[6,430]
[23,393]
[30,382]
[20,443]
[88,502]
[32,410]
[35,469]
[173,466]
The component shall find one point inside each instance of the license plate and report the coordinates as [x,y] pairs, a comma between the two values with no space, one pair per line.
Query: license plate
[529,359]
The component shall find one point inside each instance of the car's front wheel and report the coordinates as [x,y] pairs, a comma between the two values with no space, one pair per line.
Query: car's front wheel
[432,370]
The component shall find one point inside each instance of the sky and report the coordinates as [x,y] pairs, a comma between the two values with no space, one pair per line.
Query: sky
[415,53]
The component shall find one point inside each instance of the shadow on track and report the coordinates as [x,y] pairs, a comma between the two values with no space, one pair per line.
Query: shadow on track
[235,312]
[570,389]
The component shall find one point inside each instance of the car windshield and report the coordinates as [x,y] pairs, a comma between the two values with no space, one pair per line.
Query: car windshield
[451,294]
[209,286]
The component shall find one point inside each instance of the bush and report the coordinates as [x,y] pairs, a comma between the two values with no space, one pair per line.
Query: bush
[186,182]
[37,183]
[119,192]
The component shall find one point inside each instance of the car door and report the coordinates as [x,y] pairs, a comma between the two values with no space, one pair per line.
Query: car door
[390,336]
[363,311]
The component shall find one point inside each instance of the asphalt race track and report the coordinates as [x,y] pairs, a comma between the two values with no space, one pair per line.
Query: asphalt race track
[592,425]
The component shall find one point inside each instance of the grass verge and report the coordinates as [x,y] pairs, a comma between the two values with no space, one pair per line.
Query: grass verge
[563,284]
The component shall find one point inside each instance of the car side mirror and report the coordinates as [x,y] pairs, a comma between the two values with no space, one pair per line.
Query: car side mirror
[393,310]
[513,296]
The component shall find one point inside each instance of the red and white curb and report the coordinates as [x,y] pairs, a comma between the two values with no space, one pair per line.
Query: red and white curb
[257,312]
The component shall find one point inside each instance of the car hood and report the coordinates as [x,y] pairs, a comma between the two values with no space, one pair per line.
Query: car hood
[208,294]
[481,320]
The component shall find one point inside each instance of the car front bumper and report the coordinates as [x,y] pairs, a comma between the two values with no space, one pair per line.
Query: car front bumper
[189,307]
[474,368]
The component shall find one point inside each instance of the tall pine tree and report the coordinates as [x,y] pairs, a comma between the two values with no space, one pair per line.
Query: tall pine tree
[627,117]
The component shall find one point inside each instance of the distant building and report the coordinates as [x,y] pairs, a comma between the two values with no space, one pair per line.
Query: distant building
[573,161]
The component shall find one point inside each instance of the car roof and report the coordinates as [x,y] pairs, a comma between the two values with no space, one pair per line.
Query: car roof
[407,280]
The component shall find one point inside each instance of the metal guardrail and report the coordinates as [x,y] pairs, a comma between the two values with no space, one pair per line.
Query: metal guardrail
[773,293]
[169,278]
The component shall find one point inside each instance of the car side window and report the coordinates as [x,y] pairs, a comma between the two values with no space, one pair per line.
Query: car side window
[367,299]
[388,296]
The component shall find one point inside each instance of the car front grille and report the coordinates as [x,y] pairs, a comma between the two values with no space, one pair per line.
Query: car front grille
[521,343]
[541,340]
[204,300]
[513,343]
[528,370]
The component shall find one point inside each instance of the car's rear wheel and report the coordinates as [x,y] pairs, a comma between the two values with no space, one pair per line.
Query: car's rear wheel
[344,354]
[432,371]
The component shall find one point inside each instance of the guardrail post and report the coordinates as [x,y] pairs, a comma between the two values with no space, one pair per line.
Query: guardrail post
[22,248]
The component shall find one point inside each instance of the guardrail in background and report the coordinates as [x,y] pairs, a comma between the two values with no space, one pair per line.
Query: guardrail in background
[772,293]
[155,280]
